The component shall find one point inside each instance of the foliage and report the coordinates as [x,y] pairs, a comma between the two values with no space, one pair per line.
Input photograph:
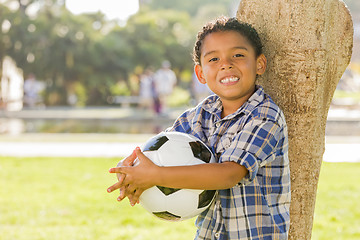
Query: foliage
[193,7]
[179,97]
[65,198]
[158,36]
[67,50]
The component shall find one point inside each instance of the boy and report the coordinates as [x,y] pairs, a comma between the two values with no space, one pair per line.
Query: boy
[244,128]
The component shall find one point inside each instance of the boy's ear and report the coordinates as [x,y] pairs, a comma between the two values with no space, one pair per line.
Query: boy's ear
[261,63]
[199,74]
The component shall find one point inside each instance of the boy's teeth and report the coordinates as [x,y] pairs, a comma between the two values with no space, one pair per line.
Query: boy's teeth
[231,79]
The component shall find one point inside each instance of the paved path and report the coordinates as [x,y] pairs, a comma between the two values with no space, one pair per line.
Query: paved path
[338,149]
[66,149]
[342,152]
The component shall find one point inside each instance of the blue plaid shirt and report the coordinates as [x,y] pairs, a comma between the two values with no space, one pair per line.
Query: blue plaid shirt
[255,136]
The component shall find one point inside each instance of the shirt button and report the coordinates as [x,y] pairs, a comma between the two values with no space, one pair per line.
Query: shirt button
[217,235]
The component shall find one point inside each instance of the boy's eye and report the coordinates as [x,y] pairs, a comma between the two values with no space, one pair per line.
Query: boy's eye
[238,55]
[213,59]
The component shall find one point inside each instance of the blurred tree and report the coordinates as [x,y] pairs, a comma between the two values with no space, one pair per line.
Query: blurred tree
[192,7]
[55,45]
[84,56]
[158,35]
[5,42]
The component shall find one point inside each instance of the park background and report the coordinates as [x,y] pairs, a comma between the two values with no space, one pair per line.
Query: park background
[55,154]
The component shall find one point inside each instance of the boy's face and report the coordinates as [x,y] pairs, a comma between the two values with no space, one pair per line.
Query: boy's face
[229,66]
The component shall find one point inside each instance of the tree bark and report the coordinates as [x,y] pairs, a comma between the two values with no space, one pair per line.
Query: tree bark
[308,44]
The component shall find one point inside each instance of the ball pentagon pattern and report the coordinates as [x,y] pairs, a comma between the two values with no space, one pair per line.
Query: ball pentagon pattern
[176,149]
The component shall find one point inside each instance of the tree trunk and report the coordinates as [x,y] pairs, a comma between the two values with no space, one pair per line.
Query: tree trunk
[308,44]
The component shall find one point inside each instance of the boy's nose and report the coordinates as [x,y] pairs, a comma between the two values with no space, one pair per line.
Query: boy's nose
[226,64]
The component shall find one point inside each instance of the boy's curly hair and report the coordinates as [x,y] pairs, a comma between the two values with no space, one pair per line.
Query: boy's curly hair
[223,24]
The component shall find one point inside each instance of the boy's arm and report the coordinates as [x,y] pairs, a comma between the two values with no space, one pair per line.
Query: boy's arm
[209,176]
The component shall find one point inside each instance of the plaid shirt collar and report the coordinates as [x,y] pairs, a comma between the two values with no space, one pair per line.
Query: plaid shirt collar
[213,104]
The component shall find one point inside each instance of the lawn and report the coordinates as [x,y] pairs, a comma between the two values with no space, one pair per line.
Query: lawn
[337,213]
[66,199]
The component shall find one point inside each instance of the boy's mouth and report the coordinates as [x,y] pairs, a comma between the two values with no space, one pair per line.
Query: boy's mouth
[228,80]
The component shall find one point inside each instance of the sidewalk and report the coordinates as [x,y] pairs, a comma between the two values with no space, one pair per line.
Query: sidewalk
[70,145]
[338,148]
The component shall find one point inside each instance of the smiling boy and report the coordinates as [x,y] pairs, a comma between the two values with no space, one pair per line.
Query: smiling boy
[247,133]
[228,65]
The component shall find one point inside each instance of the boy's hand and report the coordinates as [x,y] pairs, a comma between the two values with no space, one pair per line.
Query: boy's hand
[138,178]
[129,161]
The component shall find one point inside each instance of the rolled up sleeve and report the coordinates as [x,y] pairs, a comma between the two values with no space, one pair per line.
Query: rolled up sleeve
[253,146]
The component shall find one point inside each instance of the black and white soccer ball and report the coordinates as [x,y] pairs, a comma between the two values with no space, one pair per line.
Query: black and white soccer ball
[176,149]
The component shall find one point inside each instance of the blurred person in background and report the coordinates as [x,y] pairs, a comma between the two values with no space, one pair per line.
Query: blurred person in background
[165,81]
[146,91]
[32,89]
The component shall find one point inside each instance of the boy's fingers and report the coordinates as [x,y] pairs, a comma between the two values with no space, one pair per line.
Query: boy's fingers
[120,177]
[137,195]
[134,197]
[122,194]
[114,187]
[119,185]
[130,189]
[129,192]
[139,153]
[129,160]
[119,170]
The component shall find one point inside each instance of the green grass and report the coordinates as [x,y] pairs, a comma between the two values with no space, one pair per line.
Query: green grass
[66,199]
[337,213]
[354,96]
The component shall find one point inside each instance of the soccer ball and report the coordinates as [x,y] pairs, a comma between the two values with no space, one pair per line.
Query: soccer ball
[176,149]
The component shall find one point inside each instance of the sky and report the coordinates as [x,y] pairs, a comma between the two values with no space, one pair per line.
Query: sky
[113,9]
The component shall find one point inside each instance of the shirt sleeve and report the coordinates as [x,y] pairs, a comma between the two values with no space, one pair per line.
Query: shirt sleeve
[253,146]
[182,123]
